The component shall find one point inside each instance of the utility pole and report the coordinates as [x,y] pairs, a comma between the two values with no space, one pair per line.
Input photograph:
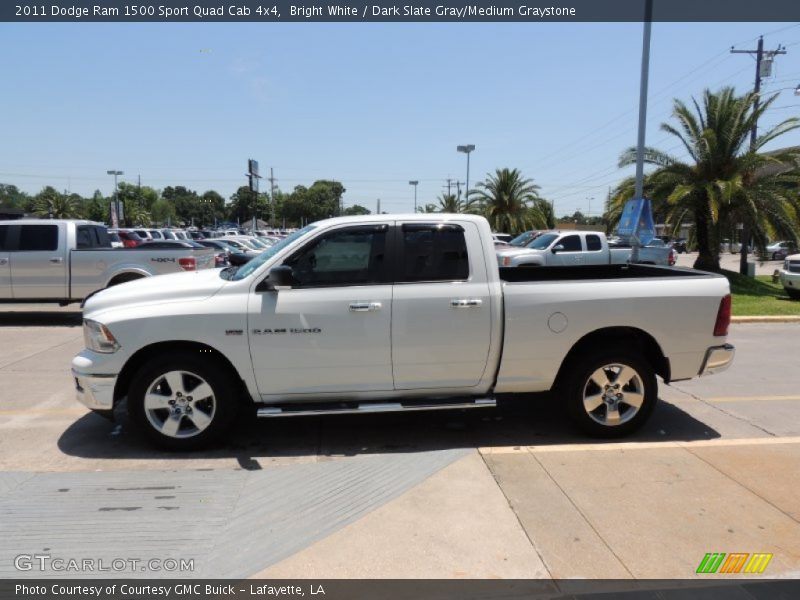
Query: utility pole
[379,206]
[760,56]
[272,198]
[643,82]
[415,183]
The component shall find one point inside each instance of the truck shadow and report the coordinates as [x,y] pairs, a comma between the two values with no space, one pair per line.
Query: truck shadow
[32,318]
[539,422]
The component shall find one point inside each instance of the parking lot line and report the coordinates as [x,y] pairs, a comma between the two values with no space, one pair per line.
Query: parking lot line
[750,398]
[577,447]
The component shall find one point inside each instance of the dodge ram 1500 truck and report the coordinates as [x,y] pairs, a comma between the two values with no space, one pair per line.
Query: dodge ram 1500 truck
[54,260]
[394,313]
[563,248]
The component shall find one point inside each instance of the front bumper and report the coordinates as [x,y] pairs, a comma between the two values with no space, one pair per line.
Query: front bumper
[717,359]
[790,279]
[94,385]
[95,391]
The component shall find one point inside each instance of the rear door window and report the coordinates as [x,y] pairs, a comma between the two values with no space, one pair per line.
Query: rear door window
[593,243]
[433,252]
[4,237]
[33,238]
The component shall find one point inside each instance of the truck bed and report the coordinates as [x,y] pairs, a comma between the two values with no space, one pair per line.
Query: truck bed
[587,272]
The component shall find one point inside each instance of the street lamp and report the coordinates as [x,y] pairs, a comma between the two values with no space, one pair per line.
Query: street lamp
[414,183]
[589,209]
[466,150]
[116,195]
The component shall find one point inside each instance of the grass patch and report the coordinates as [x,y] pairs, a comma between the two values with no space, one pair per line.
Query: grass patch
[759,296]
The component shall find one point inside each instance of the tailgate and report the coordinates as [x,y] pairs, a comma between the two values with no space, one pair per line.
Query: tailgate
[204,257]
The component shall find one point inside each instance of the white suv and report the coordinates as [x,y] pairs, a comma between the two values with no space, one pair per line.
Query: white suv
[790,276]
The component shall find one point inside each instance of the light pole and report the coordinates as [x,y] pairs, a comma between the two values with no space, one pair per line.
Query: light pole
[116,195]
[466,150]
[414,183]
[589,209]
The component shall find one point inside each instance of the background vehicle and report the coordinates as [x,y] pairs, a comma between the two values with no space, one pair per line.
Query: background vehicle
[790,276]
[565,248]
[780,250]
[680,245]
[129,239]
[115,240]
[64,261]
[395,313]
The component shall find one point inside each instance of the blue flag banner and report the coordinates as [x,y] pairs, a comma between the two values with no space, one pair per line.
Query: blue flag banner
[637,221]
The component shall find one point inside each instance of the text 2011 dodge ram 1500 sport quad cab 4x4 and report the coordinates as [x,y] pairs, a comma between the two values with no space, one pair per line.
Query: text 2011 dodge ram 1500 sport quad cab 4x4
[55,260]
[391,313]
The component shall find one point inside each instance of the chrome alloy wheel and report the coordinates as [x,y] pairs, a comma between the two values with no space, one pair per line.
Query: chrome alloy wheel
[613,394]
[179,404]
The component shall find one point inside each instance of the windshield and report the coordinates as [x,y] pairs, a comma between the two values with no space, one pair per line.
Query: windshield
[246,269]
[522,239]
[543,241]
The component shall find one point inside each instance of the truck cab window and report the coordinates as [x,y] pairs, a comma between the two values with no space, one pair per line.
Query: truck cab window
[38,238]
[571,243]
[433,253]
[352,256]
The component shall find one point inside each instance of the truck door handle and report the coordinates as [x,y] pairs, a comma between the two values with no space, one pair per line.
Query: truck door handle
[365,306]
[465,302]
[56,260]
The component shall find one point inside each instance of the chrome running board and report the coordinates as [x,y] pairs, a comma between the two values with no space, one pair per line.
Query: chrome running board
[368,407]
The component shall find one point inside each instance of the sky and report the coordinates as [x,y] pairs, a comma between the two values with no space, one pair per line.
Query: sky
[369,104]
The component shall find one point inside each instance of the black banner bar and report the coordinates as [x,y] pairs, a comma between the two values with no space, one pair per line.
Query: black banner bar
[270,11]
[391,589]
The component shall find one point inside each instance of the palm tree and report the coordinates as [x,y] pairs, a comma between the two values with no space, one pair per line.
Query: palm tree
[727,180]
[506,199]
[50,203]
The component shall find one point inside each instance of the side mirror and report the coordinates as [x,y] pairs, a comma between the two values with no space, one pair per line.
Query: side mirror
[557,248]
[280,277]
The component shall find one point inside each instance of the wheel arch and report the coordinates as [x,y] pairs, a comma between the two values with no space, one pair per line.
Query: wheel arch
[631,337]
[146,353]
[125,276]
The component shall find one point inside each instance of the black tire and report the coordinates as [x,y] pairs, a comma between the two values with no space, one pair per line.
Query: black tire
[578,380]
[218,410]
[793,294]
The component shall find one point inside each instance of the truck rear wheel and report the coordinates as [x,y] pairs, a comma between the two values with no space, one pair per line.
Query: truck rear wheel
[610,393]
[792,293]
[182,402]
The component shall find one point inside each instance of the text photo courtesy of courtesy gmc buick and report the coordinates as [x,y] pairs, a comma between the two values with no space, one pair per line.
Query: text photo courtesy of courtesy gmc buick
[395,313]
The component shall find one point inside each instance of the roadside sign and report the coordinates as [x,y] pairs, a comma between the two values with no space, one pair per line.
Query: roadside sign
[637,221]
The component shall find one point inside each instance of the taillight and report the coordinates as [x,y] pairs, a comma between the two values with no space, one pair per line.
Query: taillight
[129,243]
[188,264]
[672,257]
[723,317]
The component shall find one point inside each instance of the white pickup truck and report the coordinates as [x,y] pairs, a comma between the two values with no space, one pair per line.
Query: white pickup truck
[66,260]
[571,248]
[394,313]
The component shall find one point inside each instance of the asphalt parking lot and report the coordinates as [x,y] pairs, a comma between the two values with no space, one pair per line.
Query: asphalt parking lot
[731,262]
[511,492]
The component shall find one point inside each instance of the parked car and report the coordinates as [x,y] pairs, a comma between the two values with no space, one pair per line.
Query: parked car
[155,234]
[130,239]
[790,276]
[563,248]
[395,313]
[59,260]
[780,250]
[143,233]
[115,240]
[523,239]
[680,245]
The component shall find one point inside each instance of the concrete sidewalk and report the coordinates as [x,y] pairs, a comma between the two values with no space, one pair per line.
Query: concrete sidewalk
[615,510]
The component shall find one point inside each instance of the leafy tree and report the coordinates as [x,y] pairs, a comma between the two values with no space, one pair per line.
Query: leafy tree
[506,199]
[163,212]
[428,208]
[243,202]
[185,201]
[727,180]
[96,207]
[356,209]
[212,208]
[542,214]
[50,202]
[11,197]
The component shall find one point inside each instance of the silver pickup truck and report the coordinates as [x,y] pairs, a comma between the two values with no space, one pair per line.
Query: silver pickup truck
[66,260]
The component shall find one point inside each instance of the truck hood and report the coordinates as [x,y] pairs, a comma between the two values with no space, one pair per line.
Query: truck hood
[175,287]
[518,251]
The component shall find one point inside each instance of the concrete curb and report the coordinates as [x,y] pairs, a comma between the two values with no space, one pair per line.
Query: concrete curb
[766,319]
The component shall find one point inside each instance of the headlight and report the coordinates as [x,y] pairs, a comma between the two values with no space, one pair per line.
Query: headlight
[98,338]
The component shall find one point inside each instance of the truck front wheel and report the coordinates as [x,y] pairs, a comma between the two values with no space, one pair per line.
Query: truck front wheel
[610,394]
[182,402]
